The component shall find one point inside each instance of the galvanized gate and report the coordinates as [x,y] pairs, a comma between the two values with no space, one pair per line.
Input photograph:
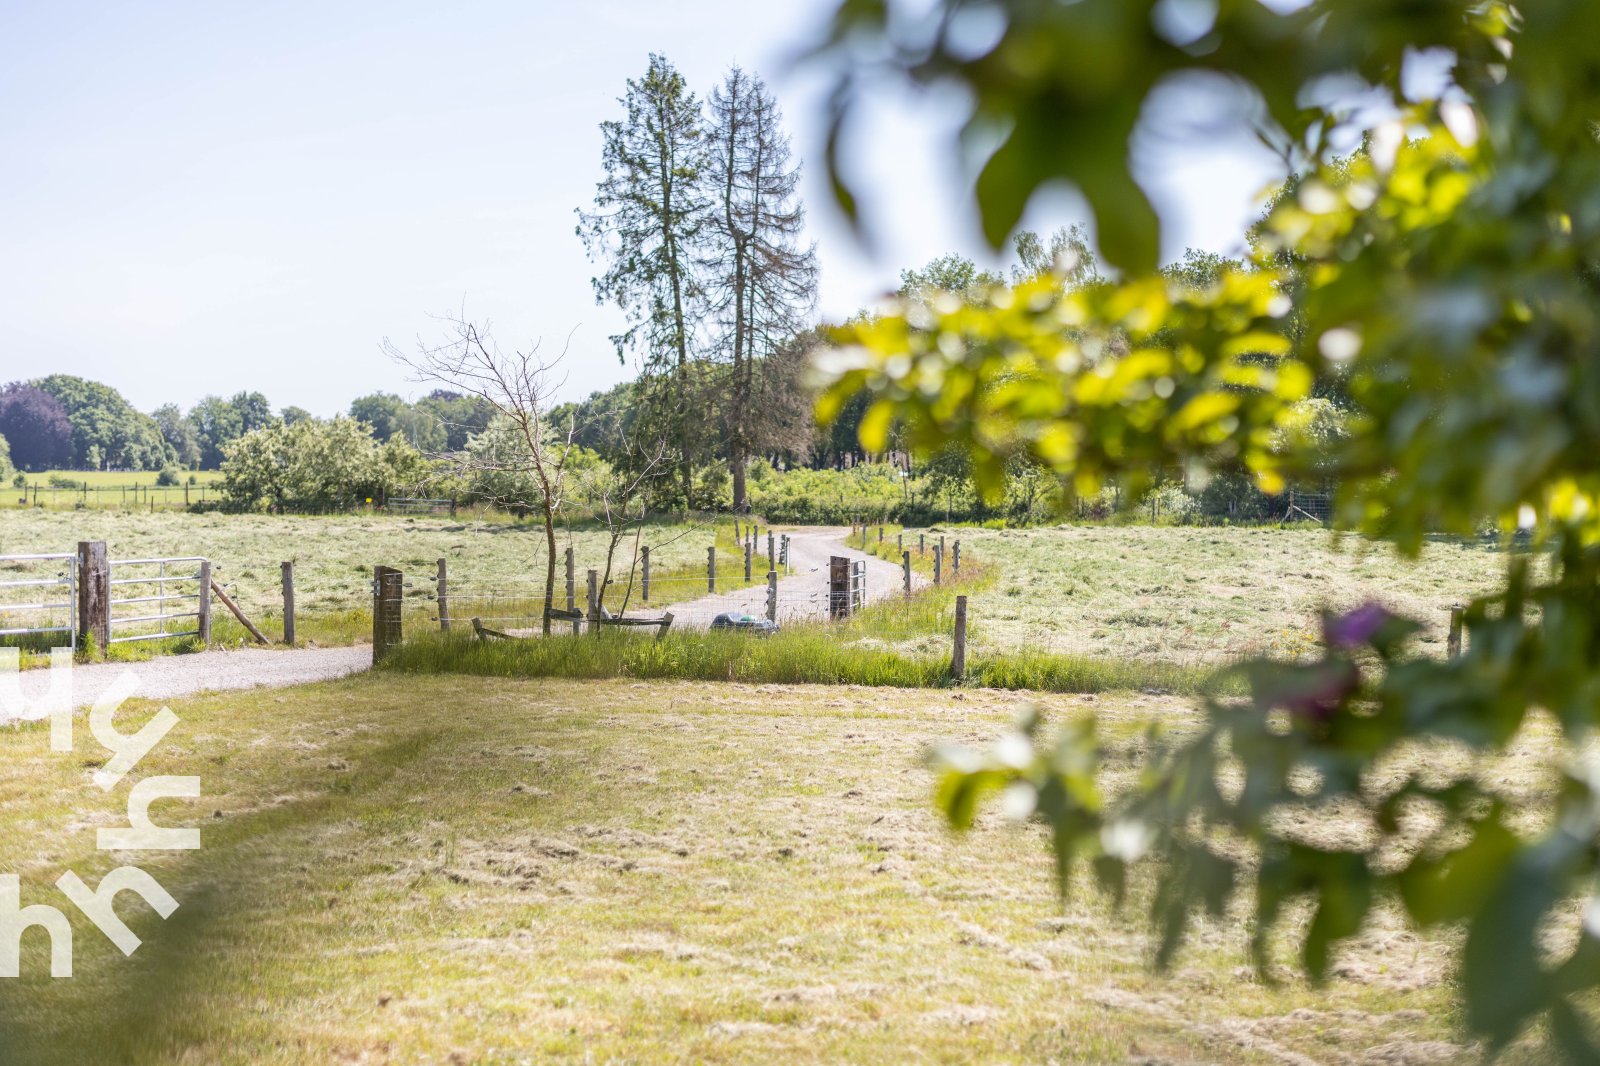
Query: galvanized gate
[175,581]
[39,596]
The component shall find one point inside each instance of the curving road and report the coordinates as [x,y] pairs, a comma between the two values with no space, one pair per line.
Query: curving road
[803,595]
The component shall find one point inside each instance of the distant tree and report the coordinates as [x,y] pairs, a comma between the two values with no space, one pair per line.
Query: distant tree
[1067,255]
[35,423]
[254,410]
[649,212]
[106,430]
[949,273]
[315,466]
[217,421]
[762,283]
[458,416]
[5,457]
[179,434]
[291,415]
[1199,270]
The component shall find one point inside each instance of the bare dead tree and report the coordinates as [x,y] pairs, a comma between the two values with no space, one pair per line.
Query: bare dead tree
[520,386]
[620,495]
[762,281]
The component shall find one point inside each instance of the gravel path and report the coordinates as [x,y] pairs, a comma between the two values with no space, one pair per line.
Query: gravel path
[174,676]
[802,596]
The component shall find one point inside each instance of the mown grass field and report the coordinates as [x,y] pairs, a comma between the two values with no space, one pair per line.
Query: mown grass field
[496,565]
[402,869]
[1191,597]
[1199,595]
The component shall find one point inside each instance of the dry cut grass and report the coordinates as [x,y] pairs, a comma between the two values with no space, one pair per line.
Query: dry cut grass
[411,869]
[1205,594]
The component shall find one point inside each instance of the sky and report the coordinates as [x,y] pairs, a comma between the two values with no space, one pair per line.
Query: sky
[204,198]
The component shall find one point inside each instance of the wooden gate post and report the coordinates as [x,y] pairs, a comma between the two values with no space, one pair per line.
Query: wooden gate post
[288,600]
[94,594]
[905,560]
[203,612]
[772,595]
[443,593]
[1453,648]
[958,657]
[388,589]
[594,602]
[644,554]
[711,568]
[839,586]
[572,590]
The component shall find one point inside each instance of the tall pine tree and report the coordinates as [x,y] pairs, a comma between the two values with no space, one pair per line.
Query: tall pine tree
[649,213]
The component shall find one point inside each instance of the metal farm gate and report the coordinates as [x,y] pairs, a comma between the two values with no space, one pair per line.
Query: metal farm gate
[157,586]
[42,600]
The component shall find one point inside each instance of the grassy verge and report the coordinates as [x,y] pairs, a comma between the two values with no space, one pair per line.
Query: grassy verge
[897,644]
[403,870]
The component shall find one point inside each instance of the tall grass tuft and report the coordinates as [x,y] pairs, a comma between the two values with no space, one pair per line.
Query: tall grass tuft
[809,654]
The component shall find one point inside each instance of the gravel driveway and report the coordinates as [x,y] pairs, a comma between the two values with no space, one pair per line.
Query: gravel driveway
[174,676]
[802,596]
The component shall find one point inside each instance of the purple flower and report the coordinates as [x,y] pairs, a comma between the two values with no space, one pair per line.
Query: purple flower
[1356,628]
[1318,691]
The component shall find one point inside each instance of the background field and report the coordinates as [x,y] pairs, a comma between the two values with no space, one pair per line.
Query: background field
[334,555]
[400,869]
[1202,595]
[1183,595]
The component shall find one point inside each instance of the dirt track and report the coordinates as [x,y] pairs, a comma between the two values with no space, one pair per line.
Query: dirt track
[803,595]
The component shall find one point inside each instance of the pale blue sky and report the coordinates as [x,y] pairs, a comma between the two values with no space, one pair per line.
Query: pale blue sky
[206,197]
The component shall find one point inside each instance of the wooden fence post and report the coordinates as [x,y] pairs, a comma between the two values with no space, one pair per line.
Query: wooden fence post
[955,558]
[442,592]
[572,591]
[900,542]
[711,569]
[772,595]
[772,558]
[938,562]
[958,657]
[880,533]
[644,554]
[203,612]
[288,600]
[1454,645]
[922,544]
[94,594]
[388,588]
[594,602]
[748,557]
[905,562]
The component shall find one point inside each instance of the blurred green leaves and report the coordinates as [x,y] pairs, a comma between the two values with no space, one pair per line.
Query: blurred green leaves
[1418,321]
